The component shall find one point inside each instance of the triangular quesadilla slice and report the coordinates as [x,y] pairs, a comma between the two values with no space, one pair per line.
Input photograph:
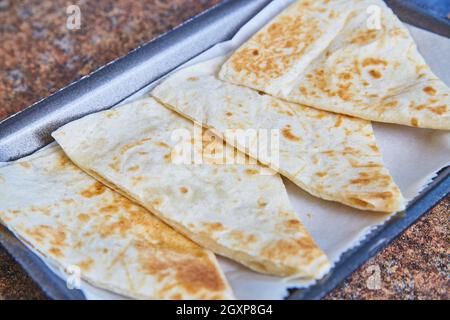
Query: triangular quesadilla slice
[331,156]
[156,157]
[353,57]
[86,228]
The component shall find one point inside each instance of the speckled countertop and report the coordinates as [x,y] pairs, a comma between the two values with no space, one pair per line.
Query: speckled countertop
[39,55]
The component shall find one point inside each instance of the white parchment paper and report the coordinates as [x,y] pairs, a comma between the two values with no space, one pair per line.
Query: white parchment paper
[412,155]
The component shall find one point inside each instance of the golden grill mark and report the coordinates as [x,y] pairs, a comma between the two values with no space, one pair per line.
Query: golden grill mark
[262,203]
[251,171]
[86,265]
[375,74]
[132,145]
[269,62]
[286,132]
[213,226]
[94,190]
[83,217]
[373,61]
[183,190]
[25,165]
[364,37]
[56,252]
[133,168]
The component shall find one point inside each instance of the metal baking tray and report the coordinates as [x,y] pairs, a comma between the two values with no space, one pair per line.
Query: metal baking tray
[30,130]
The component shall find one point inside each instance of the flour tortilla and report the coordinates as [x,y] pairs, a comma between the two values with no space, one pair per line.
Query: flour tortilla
[331,156]
[229,208]
[331,56]
[72,219]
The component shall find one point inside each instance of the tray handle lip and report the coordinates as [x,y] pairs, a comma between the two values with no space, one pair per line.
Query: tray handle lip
[106,67]
[415,15]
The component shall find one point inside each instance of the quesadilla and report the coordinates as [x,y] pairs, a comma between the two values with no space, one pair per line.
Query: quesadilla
[347,56]
[79,224]
[334,157]
[155,157]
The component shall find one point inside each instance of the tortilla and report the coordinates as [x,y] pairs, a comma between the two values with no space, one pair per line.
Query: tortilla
[333,55]
[334,157]
[76,222]
[229,208]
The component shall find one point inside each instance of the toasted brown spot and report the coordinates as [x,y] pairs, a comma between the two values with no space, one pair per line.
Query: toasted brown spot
[176,296]
[56,252]
[414,122]
[86,265]
[194,275]
[303,90]
[69,201]
[64,161]
[286,132]
[391,104]
[192,79]
[439,110]
[338,122]
[162,144]
[292,224]
[229,114]
[329,152]
[191,274]
[374,61]
[360,181]
[132,145]
[364,37]
[111,113]
[237,235]
[285,249]
[375,74]
[360,203]
[168,157]
[369,164]
[321,174]
[137,180]
[25,165]
[94,190]
[374,148]
[46,232]
[251,171]
[183,190]
[109,209]
[345,76]
[83,217]
[262,203]
[157,202]
[133,168]
[78,245]
[381,195]
[429,90]
[270,62]
[213,226]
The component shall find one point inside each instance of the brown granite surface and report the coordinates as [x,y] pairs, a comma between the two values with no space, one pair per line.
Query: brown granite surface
[39,55]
